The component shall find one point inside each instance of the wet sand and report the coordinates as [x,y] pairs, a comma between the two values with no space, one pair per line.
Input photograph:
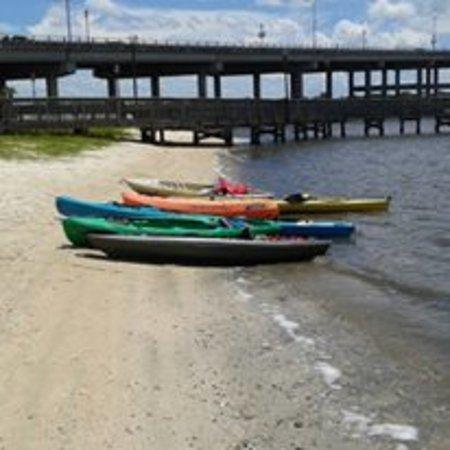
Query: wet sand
[97,354]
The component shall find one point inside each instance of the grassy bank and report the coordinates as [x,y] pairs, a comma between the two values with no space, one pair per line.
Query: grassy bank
[46,145]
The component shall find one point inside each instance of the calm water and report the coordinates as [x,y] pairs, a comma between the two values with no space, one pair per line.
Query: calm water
[404,253]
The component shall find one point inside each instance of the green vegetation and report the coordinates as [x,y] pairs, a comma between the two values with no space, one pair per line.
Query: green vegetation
[36,145]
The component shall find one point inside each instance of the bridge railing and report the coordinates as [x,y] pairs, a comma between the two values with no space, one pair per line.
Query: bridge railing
[198,113]
[125,42]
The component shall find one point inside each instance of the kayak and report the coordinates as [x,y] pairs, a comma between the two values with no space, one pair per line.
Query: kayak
[293,204]
[69,207]
[249,208]
[303,228]
[206,251]
[77,229]
[161,188]
[323,205]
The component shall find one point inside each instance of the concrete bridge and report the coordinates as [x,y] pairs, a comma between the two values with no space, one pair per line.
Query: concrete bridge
[372,102]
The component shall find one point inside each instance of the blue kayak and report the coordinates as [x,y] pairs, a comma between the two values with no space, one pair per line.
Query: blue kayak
[69,207]
[337,229]
[306,229]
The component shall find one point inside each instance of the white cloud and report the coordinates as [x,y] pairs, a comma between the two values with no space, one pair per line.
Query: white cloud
[389,23]
[391,10]
[111,19]
[348,33]
[285,2]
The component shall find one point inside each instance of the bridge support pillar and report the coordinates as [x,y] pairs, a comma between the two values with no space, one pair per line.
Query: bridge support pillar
[147,135]
[155,84]
[329,84]
[397,82]
[428,81]
[217,86]
[419,81]
[228,137]
[256,85]
[351,84]
[296,85]
[436,80]
[201,85]
[113,88]
[255,136]
[367,82]
[2,84]
[384,82]
[343,129]
[52,86]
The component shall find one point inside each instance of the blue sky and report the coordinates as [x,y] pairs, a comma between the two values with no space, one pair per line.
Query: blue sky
[386,23]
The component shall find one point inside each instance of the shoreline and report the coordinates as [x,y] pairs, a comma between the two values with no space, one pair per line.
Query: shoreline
[101,354]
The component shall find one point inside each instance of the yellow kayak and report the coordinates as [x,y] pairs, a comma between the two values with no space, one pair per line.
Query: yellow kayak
[326,205]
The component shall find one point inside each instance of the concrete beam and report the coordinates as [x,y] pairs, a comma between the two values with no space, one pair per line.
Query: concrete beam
[428,81]
[113,88]
[52,86]
[155,84]
[398,82]
[202,87]
[436,80]
[297,85]
[256,85]
[329,84]
[351,84]
[217,86]
[384,82]
[419,81]
[367,82]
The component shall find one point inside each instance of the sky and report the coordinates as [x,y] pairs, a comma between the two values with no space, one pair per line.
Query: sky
[388,23]
[384,23]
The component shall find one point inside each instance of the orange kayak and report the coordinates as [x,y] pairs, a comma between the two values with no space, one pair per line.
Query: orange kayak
[249,208]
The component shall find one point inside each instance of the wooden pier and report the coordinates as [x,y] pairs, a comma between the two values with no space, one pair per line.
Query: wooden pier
[219,117]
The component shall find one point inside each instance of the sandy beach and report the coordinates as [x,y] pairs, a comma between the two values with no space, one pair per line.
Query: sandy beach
[109,355]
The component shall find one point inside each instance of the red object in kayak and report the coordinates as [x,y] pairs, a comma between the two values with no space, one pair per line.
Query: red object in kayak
[225,187]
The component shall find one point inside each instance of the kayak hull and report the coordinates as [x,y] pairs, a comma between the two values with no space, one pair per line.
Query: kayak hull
[333,205]
[201,251]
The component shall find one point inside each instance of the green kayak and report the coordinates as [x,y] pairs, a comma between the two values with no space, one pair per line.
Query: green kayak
[77,228]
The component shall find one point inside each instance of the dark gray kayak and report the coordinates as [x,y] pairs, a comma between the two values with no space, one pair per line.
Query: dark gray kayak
[206,251]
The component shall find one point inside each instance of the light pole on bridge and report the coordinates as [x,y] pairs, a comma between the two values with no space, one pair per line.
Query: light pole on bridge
[69,20]
[87,25]
[314,23]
